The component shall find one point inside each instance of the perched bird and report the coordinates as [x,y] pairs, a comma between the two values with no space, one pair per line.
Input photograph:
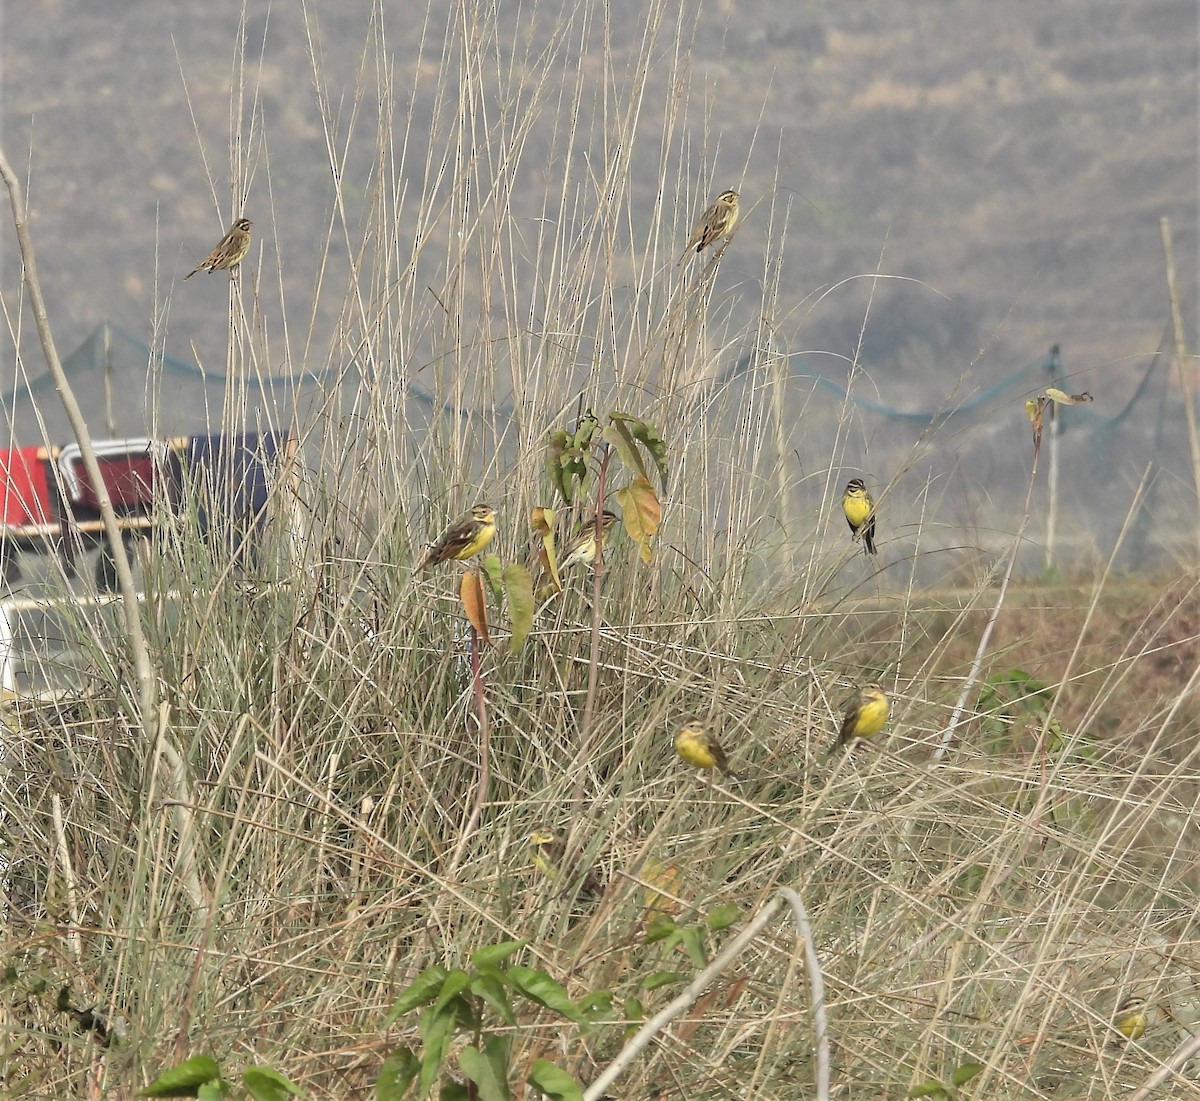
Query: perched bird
[865,715]
[230,252]
[88,1020]
[698,746]
[716,222]
[1131,1019]
[860,513]
[583,547]
[549,849]
[467,536]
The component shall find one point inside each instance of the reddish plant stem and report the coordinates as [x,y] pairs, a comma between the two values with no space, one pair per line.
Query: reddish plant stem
[589,706]
[481,789]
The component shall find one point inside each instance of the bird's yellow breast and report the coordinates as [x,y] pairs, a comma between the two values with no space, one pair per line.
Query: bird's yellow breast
[480,540]
[872,717]
[694,749]
[1133,1025]
[582,550]
[857,508]
[543,865]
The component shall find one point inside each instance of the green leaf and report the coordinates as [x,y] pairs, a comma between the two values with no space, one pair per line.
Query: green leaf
[659,928]
[659,979]
[635,1013]
[421,991]
[617,433]
[722,917]
[585,430]
[927,1089]
[1061,741]
[437,1030]
[396,1075]
[574,472]
[454,984]
[454,1091]
[216,1090]
[567,455]
[648,437]
[185,1079]
[493,573]
[965,1073]
[556,443]
[672,942]
[488,1069]
[267,1084]
[1084,751]
[693,941]
[539,987]
[1012,687]
[597,1005]
[553,1081]
[489,986]
[518,587]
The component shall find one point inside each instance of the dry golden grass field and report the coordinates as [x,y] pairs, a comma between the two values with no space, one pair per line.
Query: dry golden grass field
[300,824]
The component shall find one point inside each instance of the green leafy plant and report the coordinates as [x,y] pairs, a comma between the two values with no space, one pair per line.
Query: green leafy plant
[690,938]
[567,455]
[941,1091]
[200,1077]
[640,448]
[1012,701]
[460,1002]
[1014,705]
[1007,702]
[511,583]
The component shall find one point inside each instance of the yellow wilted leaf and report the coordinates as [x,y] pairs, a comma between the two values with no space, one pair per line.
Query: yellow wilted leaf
[663,885]
[641,514]
[542,521]
[1067,399]
[470,592]
[1034,408]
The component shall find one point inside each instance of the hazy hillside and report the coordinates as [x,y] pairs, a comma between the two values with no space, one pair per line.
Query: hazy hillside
[1011,159]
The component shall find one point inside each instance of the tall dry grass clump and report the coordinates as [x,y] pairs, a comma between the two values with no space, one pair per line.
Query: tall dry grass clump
[502,253]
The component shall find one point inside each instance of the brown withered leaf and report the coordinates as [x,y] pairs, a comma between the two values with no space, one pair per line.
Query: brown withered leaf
[470,592]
